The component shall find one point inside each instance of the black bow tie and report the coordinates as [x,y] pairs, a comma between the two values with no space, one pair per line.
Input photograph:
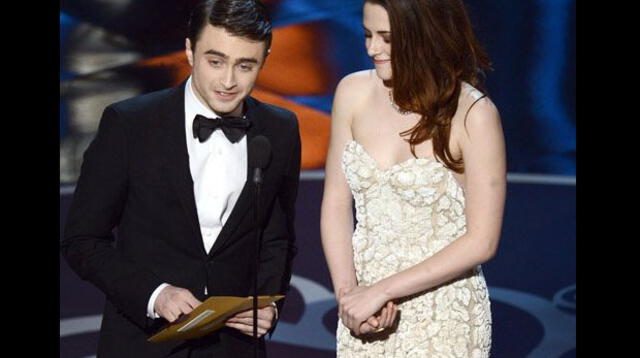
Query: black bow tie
[232,127]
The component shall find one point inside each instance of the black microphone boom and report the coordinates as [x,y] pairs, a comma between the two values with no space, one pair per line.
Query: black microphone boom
[259,155]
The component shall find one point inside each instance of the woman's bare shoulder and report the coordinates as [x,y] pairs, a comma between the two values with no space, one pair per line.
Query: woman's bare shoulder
[473,105]
[356,84]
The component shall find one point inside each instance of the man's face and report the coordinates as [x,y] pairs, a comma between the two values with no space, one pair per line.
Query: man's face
[224,69]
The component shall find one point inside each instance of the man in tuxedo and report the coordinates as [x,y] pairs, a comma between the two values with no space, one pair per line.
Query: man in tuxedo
[169,172]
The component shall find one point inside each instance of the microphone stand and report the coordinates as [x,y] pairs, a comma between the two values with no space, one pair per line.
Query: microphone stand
[259,153]
[257,181]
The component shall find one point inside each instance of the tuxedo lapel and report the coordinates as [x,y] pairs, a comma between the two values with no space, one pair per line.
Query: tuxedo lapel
[177,161]
[245,200]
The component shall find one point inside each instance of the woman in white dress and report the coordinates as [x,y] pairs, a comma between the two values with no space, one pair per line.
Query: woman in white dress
[419,147]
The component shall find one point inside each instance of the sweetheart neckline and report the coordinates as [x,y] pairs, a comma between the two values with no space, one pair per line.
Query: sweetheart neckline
[385,170]
[377,164]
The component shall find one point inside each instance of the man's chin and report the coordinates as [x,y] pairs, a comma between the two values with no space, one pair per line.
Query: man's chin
[226,109]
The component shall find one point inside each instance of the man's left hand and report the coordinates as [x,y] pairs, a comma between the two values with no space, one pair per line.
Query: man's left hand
[243,321]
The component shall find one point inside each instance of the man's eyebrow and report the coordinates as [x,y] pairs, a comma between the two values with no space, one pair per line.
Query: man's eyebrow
[247,59]
[217,53]
[226,57]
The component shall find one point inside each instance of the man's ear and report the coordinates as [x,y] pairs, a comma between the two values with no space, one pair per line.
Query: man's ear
[264,60]
[188,50]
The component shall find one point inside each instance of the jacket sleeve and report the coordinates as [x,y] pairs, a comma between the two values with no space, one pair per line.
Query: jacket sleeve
[278,242]
[98,204]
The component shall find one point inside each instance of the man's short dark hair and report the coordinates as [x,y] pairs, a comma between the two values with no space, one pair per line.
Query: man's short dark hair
[243,18]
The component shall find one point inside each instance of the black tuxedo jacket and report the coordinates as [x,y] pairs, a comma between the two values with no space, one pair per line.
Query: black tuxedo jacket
[135,180]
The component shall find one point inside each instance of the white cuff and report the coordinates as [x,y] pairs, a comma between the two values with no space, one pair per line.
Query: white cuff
[276,307]
[151,313]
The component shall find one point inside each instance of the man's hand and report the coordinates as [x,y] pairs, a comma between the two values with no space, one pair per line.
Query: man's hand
[243,321]
[172,302]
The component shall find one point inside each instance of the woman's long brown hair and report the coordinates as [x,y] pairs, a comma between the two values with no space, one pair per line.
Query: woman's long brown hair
[433,49]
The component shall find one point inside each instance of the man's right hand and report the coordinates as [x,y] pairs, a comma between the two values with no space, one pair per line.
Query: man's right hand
[172,302]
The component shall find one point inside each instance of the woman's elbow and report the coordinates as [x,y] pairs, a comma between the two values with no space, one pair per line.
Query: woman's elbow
[490,250]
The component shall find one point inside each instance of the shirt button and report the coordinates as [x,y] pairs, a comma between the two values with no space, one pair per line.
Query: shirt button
[219,152]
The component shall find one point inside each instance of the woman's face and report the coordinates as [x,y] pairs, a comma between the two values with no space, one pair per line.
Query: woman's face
[377,33]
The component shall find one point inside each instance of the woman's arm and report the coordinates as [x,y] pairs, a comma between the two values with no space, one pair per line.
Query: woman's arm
[336,218]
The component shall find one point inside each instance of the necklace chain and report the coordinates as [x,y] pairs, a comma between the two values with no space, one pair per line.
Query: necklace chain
[395,106]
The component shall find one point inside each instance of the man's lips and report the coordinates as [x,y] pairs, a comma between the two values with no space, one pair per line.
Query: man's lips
[225,95]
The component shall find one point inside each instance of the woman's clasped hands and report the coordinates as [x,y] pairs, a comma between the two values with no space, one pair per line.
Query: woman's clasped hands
[364,309]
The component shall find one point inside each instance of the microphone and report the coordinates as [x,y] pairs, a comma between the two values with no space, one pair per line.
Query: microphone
[259,155]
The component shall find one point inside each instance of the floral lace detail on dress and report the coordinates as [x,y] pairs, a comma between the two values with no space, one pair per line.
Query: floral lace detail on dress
[405,214]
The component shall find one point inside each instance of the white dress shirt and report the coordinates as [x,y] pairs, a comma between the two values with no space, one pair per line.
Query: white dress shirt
[219,171]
